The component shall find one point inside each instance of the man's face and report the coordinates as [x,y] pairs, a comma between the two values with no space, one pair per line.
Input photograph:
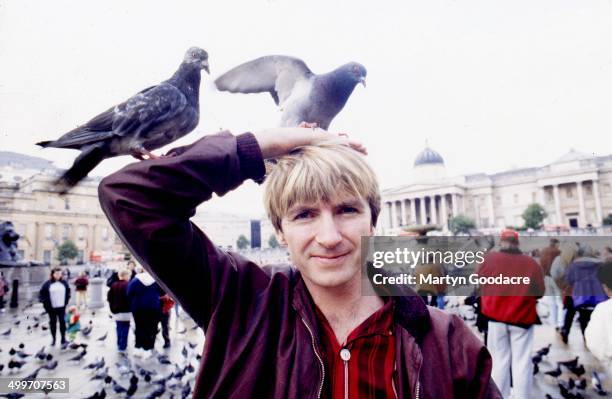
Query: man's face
[57,275]
[324,239]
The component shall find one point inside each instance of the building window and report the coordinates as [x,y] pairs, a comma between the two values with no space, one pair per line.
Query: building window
[48,231]
[568,192]
[607,187]
[516,198]
[80,257]
[588,190]
[81,231]
[66,204]
[534,197]
[65,232]
[50,202]
[104,233]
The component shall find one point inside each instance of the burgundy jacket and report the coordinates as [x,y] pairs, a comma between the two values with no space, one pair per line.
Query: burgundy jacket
[262,337]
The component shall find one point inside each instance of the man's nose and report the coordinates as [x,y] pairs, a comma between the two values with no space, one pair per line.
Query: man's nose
[328,233]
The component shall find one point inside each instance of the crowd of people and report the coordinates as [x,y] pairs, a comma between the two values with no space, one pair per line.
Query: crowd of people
[132,294]
[572,279]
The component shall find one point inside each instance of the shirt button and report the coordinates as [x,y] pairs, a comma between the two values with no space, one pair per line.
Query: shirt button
[345,354]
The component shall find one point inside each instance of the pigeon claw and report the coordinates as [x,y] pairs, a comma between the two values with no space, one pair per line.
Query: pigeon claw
[312,125]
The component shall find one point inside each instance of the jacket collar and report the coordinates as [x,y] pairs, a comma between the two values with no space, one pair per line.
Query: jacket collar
[410,311]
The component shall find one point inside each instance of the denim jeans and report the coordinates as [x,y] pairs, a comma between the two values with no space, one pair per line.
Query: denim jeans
[123,327]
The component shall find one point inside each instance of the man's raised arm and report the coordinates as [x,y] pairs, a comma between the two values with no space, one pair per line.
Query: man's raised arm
[149,204]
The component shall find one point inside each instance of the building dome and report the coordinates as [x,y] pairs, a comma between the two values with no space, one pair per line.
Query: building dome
[428,157]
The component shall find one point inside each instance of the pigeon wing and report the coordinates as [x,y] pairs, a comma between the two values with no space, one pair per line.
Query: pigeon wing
[276,74]
[97,129]
[147,109]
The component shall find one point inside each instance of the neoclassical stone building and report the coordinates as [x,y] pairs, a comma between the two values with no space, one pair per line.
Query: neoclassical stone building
[575,190]
[44,219]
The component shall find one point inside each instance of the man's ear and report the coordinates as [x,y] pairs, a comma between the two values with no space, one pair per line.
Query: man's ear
[281,238]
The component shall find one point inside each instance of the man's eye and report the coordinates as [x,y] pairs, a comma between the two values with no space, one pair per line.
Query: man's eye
[303,215]
[349,209]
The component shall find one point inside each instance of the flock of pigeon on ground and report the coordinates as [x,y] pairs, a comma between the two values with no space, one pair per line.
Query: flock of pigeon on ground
[161,114]
[160,378]
[572,384]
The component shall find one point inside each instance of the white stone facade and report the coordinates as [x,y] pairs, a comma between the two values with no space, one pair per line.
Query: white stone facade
[575,190]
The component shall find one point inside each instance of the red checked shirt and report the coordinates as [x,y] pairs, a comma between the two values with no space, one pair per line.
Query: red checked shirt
[363,367]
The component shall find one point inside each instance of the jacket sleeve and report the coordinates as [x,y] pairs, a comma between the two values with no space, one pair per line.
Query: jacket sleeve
[149,204]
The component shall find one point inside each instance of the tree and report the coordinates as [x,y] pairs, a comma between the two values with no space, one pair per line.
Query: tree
[67,250]
[607,221]
[534,215]
[242,242]
[273,242]
[461,224]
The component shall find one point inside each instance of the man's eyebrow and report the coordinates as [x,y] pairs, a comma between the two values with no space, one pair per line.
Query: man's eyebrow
[350,203]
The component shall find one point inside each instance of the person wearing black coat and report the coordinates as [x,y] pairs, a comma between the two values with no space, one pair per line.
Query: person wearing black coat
[54,295]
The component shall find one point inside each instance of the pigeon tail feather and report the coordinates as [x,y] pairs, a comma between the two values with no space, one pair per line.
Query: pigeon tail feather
[84,163]
[44,144]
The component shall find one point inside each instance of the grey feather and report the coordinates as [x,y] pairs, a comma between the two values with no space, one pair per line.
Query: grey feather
[302,95]
[148,120]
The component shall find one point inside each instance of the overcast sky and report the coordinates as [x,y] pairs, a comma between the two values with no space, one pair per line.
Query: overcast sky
[490,84]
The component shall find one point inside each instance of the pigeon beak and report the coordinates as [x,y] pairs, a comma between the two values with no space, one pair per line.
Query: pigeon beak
[362,81]
[205,66]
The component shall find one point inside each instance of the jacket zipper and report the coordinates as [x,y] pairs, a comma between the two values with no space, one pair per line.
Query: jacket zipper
[418,390]
[314,348]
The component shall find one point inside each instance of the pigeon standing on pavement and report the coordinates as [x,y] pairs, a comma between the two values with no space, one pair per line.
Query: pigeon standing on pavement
[149,120]
[302,95]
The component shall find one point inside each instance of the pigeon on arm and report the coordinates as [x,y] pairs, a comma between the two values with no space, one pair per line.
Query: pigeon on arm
[149,120]
[302,95]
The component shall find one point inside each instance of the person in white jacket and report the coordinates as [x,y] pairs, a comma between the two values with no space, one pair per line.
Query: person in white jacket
[599,330]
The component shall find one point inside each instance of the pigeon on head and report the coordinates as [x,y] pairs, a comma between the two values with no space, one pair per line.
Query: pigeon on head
[302,95]
[146,121]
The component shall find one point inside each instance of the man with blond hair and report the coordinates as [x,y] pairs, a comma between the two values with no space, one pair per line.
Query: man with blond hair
[290,331]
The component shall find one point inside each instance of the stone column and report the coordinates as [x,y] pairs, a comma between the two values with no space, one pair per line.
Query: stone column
[388,209]
[434,210]
[491,211]
[444,218]
[581,209]
[404,216]
[454,204]
[557,203]
[598,210]
[542,199]
[413,219]
[393,215]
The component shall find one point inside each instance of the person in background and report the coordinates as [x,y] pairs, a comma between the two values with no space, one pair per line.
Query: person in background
[587,291]
[599,330]
[143,293]
[72,322]
[120,307]
[606,254]
[558,271]
[166,308]
[4,289]
[511,310]
[130,265]
[81,284]
[54,295]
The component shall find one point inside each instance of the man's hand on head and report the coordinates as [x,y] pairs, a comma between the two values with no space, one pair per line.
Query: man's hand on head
[276,142]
